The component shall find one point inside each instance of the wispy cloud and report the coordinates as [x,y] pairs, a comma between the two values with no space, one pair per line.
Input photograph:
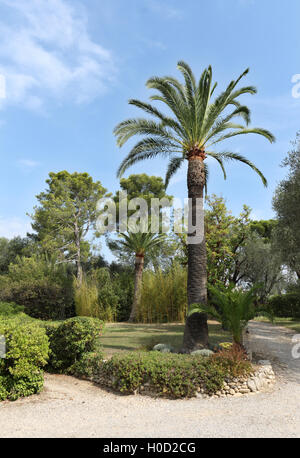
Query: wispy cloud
[164,9]
[46,52]
[28,164]
[11,227]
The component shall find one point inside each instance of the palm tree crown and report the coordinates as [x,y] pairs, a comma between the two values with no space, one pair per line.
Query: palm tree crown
[140,242]
[197,126]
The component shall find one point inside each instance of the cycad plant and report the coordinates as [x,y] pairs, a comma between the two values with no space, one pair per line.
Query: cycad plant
[139,243]
[195,128]
[234,308]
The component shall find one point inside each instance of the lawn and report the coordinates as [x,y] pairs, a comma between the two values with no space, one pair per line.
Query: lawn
[127,336]
[290,323]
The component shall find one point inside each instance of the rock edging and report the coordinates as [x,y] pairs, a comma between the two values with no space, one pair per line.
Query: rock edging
[262,379]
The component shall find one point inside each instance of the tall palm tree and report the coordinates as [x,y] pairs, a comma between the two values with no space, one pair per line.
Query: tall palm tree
[139,243]
[196,128]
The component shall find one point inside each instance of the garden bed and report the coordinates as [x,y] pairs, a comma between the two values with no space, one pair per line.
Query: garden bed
[182,376]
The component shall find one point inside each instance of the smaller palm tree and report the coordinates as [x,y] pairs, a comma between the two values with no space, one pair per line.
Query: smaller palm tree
[139,243]
[233,308]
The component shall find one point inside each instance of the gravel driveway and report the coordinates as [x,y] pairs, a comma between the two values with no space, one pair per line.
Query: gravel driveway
[73,408]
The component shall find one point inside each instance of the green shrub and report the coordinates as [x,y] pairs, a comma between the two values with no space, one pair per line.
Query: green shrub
[42,286]
[27,349]
[234,308]
[285,306]
[10,309]
[70,340]
[88,365]
[234,360]
[172,375]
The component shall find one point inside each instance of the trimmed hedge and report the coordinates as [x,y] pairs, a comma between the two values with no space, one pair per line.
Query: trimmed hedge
[167,374]
[285,306]
[70,341]
[10,309]
[27,349]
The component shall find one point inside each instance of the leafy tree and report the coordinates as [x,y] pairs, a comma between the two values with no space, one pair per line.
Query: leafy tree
[264,228]
[286,203]
[138,244]
[66,212]
[11,249]
[41,285]
[194,131]
[261,265]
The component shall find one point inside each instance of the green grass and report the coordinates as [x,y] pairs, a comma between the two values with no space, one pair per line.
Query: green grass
[291,323]
[127,337]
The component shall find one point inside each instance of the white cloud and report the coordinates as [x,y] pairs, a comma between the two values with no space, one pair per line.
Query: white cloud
[11,227]
[47,52]
[28,164]
[164,9]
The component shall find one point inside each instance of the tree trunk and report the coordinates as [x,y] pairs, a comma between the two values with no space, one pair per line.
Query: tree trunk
[139,266]
[79,274]
[196,329]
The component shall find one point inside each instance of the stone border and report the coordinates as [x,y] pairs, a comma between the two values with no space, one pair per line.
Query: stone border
[262,379]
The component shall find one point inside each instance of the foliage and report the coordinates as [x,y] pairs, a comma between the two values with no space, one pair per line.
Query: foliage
[66,212]
[163,298]
[234,359]
[286,203]
[144,187]
[10,309]
[13,248]
[285,305]
[27,350]
[233,307]
[123,286]
[226,236]
[88,365]
[261,265]
[198,123]
[171,375]
[41,285]
[70,340]
[96,296]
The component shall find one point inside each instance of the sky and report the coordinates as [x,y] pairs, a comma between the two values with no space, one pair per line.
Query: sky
[70,67]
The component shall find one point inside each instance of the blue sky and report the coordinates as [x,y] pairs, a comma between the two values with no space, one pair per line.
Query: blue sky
[71,66]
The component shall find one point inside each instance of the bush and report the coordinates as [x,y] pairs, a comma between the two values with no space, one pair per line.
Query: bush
[10,309]
[70,340]
[42,286]
[173,375]
[234,360]
[88,365]
[27,350]
[285,306]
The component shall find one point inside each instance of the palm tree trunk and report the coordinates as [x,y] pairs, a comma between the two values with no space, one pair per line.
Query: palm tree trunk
[196,329]
[139,266]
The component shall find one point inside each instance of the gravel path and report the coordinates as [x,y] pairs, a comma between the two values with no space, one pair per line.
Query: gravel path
[73,408]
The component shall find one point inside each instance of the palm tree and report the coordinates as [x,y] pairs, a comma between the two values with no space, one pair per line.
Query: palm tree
[139,243]
[196,128]
[234,308]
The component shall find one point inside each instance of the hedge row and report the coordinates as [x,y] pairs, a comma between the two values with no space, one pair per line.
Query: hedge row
[171,375]
[70,346]
[285,306]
